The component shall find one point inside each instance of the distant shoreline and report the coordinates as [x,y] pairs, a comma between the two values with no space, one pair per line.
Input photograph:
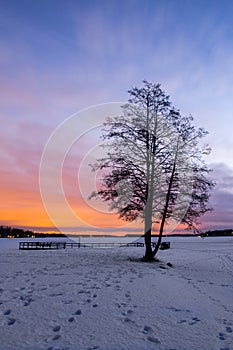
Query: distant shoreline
[9,232]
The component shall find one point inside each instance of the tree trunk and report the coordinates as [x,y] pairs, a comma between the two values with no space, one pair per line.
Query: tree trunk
[159,241]
[155,250]
[148,254]
[147,229]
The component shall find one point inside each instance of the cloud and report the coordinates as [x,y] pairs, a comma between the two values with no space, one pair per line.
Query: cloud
[221,199]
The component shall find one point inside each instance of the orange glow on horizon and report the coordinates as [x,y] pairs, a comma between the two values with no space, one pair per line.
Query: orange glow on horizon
[21,205]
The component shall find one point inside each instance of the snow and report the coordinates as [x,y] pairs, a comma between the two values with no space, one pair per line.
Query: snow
[89,298]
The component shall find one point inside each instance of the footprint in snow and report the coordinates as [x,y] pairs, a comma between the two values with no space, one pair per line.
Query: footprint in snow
[147,329]
[228,329]
[128,320]
[194,321]
[128,312]
[153,340]
[56,337]
[182,321]
[56,328]
[221,336]
[11,321]
[7,312]
[174,309]
[117,287]
[78,312]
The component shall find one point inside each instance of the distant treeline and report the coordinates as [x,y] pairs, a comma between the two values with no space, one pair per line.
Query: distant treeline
[11,232]
[214,233]
[218,233]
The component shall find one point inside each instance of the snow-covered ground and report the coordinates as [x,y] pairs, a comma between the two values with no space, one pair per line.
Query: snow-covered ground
[106,299]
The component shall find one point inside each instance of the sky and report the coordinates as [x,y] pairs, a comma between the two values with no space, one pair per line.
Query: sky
[60,57]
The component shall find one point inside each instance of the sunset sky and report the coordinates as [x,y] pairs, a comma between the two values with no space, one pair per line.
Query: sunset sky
[60,57]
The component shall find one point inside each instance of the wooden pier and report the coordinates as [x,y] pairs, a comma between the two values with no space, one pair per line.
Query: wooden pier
[42,245]
[64,245]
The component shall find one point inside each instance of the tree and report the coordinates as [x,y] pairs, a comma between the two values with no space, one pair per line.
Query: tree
[154,167]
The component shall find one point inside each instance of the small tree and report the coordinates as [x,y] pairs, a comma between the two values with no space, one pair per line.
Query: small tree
[154,167]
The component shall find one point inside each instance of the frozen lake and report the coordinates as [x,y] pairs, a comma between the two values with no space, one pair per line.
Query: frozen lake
[107,299]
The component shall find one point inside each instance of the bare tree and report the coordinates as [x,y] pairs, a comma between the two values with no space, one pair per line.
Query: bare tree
[154,167]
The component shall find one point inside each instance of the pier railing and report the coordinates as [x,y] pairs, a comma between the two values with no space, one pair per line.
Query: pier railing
[64,245]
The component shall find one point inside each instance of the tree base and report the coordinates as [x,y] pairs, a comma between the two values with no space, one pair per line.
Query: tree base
[149,259]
